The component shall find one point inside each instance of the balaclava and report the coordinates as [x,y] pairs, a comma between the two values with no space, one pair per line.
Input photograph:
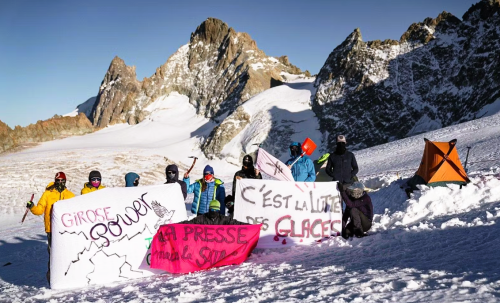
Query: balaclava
[60,182]
[172,173]
[341,149]
[248,165]
[213,209]
[295,150]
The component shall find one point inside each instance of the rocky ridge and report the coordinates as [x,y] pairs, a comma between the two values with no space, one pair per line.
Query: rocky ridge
[218,70]
[442,71]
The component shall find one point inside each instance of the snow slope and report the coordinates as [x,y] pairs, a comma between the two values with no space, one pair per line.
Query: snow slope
[439,246]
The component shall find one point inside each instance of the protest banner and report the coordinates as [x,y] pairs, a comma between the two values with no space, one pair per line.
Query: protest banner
[106,235]
[273,167]
[291,213]
[184,248]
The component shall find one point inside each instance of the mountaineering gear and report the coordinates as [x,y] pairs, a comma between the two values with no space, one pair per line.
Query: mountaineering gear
[247,171]
[49,197]
[30,204]
[213,218]
[342,168]
[303,169]
[205,192]
[131,179]
[341,138]
[172,173]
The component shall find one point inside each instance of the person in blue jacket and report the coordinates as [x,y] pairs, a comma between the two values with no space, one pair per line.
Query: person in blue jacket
[303,169]
[131,179]
[205,190]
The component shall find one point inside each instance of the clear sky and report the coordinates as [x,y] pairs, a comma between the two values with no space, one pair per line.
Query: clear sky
[54,54]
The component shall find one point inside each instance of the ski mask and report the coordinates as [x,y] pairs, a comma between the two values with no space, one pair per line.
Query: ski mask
[95,178]
[170,175]
[341,149]
[60,185]
[248,161]
[295,150]
[95,183]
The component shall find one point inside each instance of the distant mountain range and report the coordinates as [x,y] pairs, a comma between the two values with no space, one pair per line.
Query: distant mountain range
[442,71]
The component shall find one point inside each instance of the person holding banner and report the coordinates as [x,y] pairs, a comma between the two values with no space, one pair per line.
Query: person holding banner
[205,190]
[359,211]
[248,171]
[93,184]
[213,217]
[172,173]
[303,169]
[54,192]
[342,165]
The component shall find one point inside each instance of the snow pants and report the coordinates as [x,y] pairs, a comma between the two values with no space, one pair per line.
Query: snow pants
[358,224]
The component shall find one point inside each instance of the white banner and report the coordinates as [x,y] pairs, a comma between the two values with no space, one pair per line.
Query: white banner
[105,236]
[273,167]
[291,212]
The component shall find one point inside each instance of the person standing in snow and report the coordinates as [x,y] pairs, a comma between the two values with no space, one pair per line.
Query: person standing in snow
[131,179]
[54,192]
[342,165]
[213,217]
[205,190]
[93,184]
[247,171]
[359,211]
[303,169]
[172,173]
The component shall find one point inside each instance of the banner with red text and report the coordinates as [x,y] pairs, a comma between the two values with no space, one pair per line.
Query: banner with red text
[291,213]
[184,248]
[106,235]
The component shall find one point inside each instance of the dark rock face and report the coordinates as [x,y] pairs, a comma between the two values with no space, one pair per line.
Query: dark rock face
[218,70]
[55,128]
[443,71]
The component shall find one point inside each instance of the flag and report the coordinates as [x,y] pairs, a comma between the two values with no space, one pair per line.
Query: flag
[273,167]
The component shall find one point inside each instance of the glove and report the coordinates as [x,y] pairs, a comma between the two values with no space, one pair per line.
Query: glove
[30,205]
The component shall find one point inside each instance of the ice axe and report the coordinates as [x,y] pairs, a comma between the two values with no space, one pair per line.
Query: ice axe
[308,147]
[27,209]
[194,161]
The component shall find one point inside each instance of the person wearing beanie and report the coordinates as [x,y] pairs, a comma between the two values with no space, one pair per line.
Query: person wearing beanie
[54,192]
[213,217]
[247,171]
[93,184]
[131,179]
[358,210]
[172,173]
[205,190]
[342,165]
[303,170]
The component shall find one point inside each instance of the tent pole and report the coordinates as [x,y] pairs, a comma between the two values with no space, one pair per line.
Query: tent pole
[466,159]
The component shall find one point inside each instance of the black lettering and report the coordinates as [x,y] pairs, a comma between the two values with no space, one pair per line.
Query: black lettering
[202,255]
[198,232]
[277,202]
[170,232]
[208,234]
[243,194]
[185,255]
[222,238]
[229,234]
[286,200]
[99,235]
[264,199]
[241,235]
[187,231]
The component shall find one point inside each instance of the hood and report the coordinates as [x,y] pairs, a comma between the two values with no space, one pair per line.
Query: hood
[130,178]
[174,168]
[295,144]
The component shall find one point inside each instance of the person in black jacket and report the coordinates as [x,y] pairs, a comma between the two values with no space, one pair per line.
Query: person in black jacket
[248,171]
[359,211]
[213,217]
[342,165]
[172,173]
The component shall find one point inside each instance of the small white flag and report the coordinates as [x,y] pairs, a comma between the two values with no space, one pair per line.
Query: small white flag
[273,167]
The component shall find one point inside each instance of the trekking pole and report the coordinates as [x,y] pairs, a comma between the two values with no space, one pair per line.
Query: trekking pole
[466,159]
[27,209]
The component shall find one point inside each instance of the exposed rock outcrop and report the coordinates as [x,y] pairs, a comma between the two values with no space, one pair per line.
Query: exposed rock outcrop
[55,128]
[443,71]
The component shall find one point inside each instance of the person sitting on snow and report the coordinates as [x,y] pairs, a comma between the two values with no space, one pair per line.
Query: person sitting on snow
[342,165]
[303,169]
[93,184]
[54,192]
[213,217]
[172,173]
[359,211]
[131,179]
[205,190]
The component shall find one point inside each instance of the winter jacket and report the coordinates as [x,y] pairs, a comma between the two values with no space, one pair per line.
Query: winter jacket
[88,188]
[245,174]
[302,170]
[49,197]
[130,178]
[183,185]
[364,204]
[217,220]
[214,191]
[342,168]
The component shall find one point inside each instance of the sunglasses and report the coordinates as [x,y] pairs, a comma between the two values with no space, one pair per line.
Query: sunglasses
[170,172]
[229,204]
[95,179]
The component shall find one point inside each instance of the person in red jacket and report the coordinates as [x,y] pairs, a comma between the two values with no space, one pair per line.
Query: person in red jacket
[359,211]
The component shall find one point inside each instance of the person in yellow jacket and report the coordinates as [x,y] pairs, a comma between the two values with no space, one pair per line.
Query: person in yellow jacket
[54,192]
[93,184]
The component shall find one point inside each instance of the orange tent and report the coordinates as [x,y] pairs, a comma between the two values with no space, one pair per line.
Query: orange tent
[440,165]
